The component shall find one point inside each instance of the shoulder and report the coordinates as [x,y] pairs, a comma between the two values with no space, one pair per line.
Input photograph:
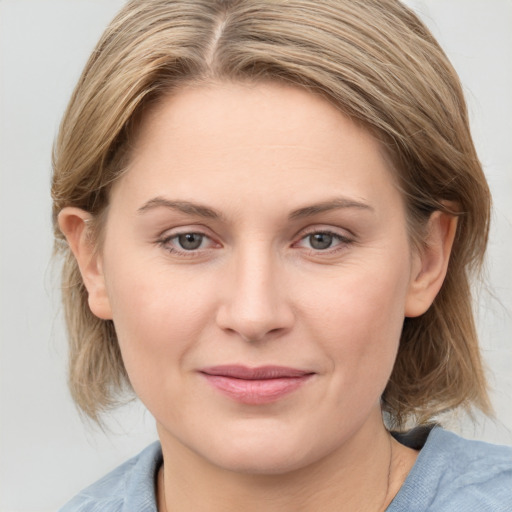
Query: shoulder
[128,487]
[452,474]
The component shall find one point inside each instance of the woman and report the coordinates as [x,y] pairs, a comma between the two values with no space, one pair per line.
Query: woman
[270,214]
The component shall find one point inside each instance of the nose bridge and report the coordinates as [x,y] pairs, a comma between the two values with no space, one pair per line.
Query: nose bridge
[256,303]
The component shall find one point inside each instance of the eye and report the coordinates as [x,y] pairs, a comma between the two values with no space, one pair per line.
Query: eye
[190,241]
[323,241]
[320,241]
[186,242]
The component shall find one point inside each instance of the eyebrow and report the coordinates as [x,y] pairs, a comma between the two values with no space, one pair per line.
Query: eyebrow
[334,204]
[191,208]
[182,206]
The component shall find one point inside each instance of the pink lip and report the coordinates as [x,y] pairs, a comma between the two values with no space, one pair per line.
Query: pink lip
[254,386]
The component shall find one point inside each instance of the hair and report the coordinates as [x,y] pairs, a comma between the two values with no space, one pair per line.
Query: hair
[377,63]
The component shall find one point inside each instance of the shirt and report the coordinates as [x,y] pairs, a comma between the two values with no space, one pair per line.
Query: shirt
[451,474]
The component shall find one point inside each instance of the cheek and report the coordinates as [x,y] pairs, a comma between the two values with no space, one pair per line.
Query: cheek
[158,318]
[359,316]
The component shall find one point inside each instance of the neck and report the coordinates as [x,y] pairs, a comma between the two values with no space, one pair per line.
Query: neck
[362,475]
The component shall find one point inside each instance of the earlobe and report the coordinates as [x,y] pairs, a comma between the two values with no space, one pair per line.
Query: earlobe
[431,263]
[73,224]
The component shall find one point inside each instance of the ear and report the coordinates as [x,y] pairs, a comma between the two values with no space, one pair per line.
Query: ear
[73,224]
[431,263]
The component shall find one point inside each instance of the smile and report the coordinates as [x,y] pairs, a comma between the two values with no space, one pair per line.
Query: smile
[255,386]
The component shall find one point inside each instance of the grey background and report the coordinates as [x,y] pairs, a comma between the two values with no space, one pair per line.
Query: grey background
[46,452]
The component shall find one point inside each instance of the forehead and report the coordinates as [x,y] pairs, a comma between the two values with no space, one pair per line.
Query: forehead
[240,140]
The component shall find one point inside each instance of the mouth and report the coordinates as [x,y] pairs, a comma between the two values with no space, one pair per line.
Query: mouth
[255,386]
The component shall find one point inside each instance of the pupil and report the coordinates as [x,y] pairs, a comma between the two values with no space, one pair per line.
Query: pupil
[320,240]
[190,241]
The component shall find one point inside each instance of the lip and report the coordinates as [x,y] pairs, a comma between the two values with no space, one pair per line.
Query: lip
[255,386]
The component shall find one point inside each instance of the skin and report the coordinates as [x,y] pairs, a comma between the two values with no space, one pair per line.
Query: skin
[258,292]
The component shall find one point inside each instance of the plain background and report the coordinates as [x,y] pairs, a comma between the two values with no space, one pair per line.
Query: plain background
[46,453]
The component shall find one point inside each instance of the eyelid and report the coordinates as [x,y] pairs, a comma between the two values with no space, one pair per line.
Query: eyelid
[184,229]
[343,233]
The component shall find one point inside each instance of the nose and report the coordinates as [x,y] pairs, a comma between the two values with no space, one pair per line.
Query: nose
[255,303]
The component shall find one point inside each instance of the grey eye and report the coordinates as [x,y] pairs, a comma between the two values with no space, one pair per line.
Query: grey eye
[190,241]
[320,241]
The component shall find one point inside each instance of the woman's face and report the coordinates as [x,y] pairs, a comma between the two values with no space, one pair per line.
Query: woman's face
[257,268]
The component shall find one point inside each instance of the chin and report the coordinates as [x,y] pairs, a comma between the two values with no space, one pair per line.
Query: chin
[265,453]
[260,463]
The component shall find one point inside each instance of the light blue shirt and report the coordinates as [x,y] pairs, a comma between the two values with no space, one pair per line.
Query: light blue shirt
[451,474]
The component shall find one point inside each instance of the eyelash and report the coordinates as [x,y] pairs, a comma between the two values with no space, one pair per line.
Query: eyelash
[342,243]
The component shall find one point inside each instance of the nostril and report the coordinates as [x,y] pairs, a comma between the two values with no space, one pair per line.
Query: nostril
[253,332]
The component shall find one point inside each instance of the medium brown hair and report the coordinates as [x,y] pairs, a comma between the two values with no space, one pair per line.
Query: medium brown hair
[373,60]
